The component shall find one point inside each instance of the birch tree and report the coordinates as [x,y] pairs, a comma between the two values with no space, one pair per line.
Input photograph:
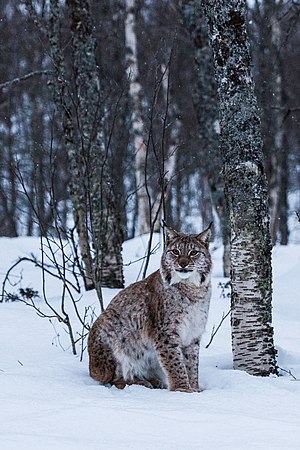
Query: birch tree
[80,104]
[245,190]
[138,128]
[105,227]
[268,46]
[168,156]
[206,106]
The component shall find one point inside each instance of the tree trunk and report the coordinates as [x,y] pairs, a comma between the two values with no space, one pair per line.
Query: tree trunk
[283,198]
[245,190]
[8,182]
[206,107]
[270,89]
[206,202]
[135,93]
[105,226]
[168,160]
[77,165]
[276,118]
[91,189]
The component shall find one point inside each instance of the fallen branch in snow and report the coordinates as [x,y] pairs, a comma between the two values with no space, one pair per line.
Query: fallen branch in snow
[290,373]
[215,330]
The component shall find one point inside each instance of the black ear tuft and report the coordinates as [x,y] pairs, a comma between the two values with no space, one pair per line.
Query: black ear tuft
[169,232]
[204,236]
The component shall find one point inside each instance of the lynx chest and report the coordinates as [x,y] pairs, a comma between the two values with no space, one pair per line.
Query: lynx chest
[192,323]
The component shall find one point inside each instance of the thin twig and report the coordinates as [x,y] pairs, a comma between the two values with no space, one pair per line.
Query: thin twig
[215,330]
[11,83]
[290,373]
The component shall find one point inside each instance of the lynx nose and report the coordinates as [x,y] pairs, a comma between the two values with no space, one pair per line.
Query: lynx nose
[183,262]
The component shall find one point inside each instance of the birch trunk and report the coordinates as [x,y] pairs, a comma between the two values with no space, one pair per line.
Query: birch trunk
[168,160]
[77,167]
[91,187]
[268,53]
[283,200]
[277,125]
[105,226]
[245,190]
[135,93]
[206,107]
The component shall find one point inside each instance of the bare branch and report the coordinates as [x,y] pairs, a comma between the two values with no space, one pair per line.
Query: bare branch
[11,83]
[290,373]
[215,330]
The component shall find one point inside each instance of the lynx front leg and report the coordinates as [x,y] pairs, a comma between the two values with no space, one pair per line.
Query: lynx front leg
[172,361]
[191,354]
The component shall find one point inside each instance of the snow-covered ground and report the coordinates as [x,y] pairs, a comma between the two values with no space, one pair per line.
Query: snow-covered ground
[48,400]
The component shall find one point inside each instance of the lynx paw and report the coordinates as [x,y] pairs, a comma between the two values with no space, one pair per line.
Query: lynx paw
[197,389]
[151,384]
[145,383]
[186,389]
[120,383]
[156,383]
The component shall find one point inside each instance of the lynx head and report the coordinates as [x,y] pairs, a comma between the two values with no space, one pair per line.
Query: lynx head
[186,257]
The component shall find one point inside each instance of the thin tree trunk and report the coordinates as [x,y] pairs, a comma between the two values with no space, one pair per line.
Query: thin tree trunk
[105,226]
[283,199]
[277,125]
[135,93]
[77,165]
[245,190]
[206,107]
[169,160]
[270,89]
[91,187]
[8,212]
[206,202]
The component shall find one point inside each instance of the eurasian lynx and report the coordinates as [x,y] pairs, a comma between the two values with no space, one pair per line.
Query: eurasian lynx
[150,332]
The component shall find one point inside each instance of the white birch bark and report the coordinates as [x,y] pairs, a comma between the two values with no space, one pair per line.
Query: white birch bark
[135,92]
[169,160]
[245,190]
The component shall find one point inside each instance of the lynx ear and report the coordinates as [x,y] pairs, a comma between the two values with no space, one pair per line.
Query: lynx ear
[169,232]
[205,235]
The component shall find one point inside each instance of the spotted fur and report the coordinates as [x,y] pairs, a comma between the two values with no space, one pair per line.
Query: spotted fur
[150,332]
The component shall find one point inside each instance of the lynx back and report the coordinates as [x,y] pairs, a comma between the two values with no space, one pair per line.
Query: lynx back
[150,332]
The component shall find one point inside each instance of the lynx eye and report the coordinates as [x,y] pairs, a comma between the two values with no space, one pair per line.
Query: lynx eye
[175,252]
[194,252]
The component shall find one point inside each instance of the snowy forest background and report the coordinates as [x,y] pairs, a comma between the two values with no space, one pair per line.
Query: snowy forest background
[110,122]
[35,172]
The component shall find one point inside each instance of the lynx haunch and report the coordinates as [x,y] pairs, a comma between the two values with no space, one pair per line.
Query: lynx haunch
[150,332]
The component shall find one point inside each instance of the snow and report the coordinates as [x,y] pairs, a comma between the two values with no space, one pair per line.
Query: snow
[49,401]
